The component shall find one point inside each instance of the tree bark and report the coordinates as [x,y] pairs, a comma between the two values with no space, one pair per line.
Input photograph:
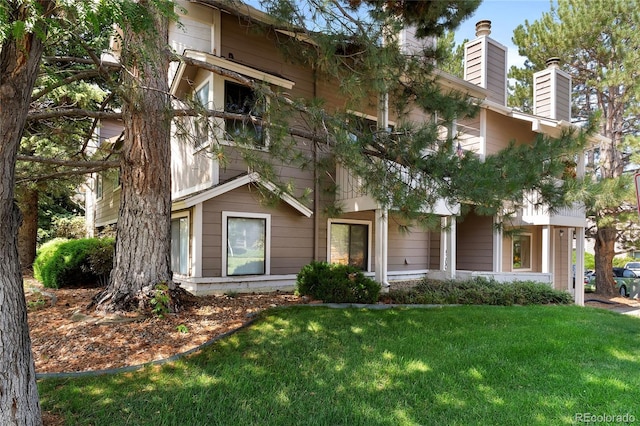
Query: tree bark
[19,64]
[604,253]
[28,232]
[143,233]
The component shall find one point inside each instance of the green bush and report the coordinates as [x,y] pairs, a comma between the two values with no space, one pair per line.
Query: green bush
[480,291]
[334,283]
[61,262]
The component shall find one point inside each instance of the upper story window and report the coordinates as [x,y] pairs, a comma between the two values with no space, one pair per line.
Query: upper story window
[240,99]
[201,124]
[99,185]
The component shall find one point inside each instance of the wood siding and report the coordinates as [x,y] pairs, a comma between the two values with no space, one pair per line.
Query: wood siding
[496,72]
[108,205]
[501,130]
[291,233]
[475,243]
[408,250]
[474,60]
[552,94]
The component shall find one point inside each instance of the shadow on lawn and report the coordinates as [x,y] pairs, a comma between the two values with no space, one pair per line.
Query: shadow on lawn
[454,365]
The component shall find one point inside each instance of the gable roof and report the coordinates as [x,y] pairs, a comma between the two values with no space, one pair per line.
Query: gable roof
[200,197]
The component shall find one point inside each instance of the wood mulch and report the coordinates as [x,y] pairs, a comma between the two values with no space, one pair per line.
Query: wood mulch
[65,337]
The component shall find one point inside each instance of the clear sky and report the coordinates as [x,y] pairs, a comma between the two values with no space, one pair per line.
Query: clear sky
[505,16]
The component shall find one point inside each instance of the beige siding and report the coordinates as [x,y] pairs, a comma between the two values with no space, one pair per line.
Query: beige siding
[474,62]
[563,97]
[291,233]
[434,248]
[408,251]
[542,94]
[469,134]
[475,243]
[501,130]
[561,271]
[496,73]
[108,205]
[194,30]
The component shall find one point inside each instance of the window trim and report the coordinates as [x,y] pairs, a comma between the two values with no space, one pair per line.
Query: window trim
[201,144]
[225,241]
[181,215]
[338,221]
[99,186]
[513,240]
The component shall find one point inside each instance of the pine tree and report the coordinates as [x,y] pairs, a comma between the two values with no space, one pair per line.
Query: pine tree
[598,43]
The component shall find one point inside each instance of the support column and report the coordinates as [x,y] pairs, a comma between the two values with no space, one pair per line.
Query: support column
[196,242]
[498,248]
[382,244]
[448,247]
[546,249]
[578,295]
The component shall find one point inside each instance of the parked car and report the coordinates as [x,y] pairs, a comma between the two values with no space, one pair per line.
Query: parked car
[625,278]
[634,266]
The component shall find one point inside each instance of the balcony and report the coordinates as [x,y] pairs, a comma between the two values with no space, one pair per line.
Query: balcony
[533,213]
[353,198]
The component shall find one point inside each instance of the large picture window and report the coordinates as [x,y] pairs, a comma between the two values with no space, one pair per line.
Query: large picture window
[349,244]
[522,251]
[180,245]
[247,244]
[240,99]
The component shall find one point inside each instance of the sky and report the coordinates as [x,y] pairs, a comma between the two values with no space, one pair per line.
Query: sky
[505,16]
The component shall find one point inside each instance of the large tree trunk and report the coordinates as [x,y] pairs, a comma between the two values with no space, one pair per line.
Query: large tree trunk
[143,234]
[19,63]
[604,252]
[28,233]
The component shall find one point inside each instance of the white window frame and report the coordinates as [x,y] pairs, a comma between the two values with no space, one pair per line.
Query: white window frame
[267,244]
[181,215]
[513,240]
[99,186]
[369,225]
[205,142]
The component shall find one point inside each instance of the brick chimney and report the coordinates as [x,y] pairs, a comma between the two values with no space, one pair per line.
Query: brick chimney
[552,92]
[485,63]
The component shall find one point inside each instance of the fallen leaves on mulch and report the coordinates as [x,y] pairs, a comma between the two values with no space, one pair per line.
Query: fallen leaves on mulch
[65,337]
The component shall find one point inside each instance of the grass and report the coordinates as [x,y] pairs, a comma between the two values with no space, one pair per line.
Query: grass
[464,365]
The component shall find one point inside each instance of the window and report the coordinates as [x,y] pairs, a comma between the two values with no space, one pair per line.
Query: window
[201,124]
[247,239]
[522,251]
[240,99]
[180,245]
[349,244]
[99,185]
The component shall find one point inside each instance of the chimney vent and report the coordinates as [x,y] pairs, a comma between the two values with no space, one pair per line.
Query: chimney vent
[553,62]
[483,28]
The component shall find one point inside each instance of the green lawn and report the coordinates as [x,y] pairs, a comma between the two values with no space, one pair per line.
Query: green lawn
[467,365]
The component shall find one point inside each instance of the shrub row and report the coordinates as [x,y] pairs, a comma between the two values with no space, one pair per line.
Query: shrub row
[62,262]
[334,283]
[480,291]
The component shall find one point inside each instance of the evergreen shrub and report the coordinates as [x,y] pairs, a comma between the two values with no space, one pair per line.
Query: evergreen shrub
[62,262]
[334,283]
[480,291]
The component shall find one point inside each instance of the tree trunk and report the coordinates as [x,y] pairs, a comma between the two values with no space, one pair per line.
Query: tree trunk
[19,63]
[28,233]
[604,253]
[143,233]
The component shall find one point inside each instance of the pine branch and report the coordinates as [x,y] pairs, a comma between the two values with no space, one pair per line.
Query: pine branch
[70,163]
[72,113]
